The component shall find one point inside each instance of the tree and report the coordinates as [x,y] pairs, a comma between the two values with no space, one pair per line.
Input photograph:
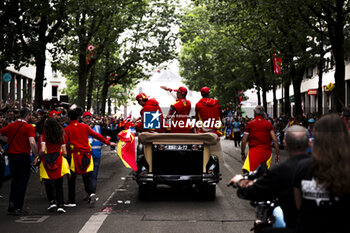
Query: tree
[130,41]
[210,57]
[29,26]
[334,14]
[11,49]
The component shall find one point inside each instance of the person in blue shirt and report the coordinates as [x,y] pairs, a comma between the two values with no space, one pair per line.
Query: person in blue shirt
[236,132]
[311,123]
[96,147]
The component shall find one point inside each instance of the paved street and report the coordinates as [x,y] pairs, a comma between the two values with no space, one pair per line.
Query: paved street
[120,210]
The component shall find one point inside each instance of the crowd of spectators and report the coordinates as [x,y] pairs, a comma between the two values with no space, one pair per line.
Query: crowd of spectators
[233,127]
[110,126]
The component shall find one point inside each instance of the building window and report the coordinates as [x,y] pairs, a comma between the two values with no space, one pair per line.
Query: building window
[54,92]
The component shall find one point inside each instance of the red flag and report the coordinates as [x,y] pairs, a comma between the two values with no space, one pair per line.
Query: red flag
[126,149]
[240,96]
[277,63]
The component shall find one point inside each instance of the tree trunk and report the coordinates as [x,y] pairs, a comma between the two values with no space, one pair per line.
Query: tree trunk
[274,98]
[104,96]
[263,81]
[339,76]
[336,36]
[97,110]
[320,77]
[40,60]
[82,76]
[297,77]
[109,103]
[257,82]
[90,87]
[319,90]
[286,99]
[282,100]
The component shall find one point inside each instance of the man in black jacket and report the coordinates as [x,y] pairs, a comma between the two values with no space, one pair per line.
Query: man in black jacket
[277,182]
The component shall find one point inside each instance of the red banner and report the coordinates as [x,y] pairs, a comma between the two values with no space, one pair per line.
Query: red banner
[277,63]
[312,92]
[240,96]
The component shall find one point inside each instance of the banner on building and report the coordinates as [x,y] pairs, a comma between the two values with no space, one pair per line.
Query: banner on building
[312,92]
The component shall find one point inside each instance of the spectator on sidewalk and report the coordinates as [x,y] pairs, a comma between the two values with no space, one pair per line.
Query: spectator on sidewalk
[21,138]
[322,182]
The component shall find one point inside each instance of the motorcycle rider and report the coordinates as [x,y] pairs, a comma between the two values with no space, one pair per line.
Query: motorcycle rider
[277,181]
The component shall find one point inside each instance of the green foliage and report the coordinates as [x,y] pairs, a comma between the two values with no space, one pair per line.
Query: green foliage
[224,40]
[210,57]
[131,39]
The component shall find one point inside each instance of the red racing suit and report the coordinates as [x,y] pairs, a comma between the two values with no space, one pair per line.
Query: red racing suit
[151,105]
[182,109]
[208,109]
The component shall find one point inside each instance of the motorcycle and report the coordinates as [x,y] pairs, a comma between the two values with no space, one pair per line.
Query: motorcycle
[267,213]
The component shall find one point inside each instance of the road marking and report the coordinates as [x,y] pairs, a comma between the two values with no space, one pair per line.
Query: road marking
[112,195]
[109,198]
[95,222]
[32,219]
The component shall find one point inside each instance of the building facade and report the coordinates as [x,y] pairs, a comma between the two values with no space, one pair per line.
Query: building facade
[309,88]
[21,88]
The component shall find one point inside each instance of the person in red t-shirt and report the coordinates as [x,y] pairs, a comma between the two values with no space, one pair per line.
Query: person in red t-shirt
[180,112]
[208,109]
[53,162]
[21,139]
[148,105]
[259,133]
[81,163]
